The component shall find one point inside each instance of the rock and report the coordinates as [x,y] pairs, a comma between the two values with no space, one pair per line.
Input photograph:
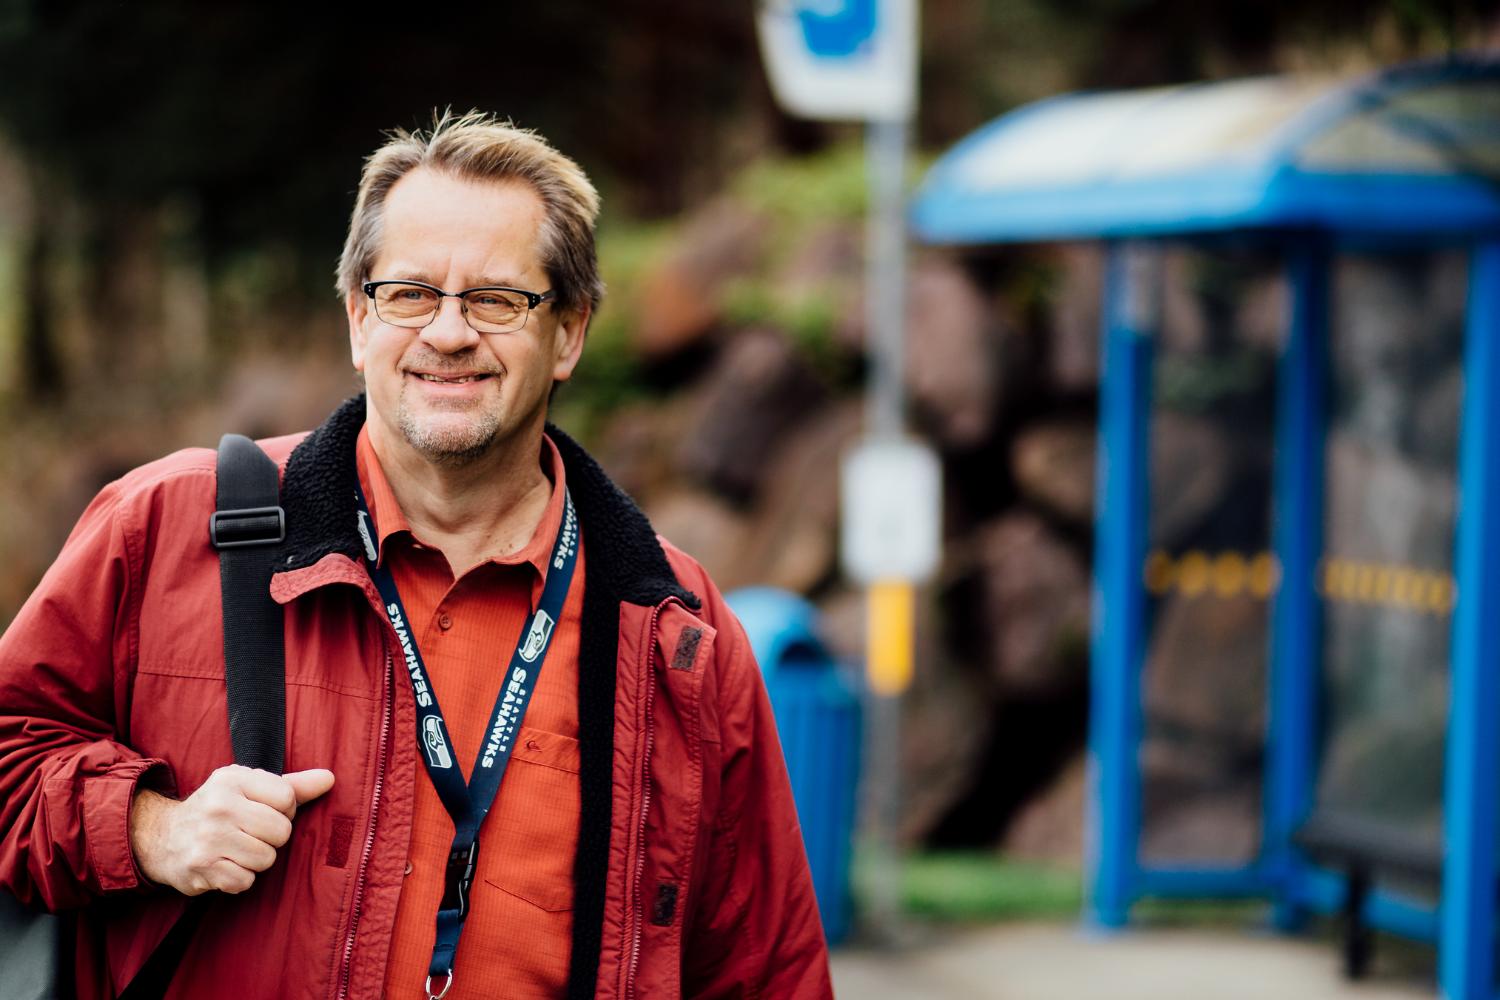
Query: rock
[841,621]
[1053,465]
[707,529]
[1387,507]
[757,390]
[1387,767]
[1073,360]
[680,297]
[1263,310]
[1205,671]
[830,264]
[1193,464]
[635,446]
[952,354]
[266,396]
[1184,327]
[1182,825]
[795,535]
[946,723]
[1034,607]
[1049,827]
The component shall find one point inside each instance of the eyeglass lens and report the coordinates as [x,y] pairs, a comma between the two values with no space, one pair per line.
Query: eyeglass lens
[488,310]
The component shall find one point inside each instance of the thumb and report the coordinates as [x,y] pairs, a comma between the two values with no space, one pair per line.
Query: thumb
[308,785]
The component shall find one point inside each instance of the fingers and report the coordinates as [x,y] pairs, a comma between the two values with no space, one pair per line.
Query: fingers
[273,790]
[265,824]
[226,876]
[308,785]
[248,852]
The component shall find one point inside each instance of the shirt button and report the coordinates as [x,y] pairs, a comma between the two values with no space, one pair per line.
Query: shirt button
[445,622]
[408,868]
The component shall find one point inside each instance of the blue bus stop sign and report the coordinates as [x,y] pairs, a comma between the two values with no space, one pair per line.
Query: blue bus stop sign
[842,60]
[835,29]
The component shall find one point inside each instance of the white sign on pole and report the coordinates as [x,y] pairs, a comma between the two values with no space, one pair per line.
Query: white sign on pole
[891,526]
[845,60]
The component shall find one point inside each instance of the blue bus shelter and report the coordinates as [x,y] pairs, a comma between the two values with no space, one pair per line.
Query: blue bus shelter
[1308,167]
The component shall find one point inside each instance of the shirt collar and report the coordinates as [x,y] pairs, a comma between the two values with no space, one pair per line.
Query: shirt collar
[390,520]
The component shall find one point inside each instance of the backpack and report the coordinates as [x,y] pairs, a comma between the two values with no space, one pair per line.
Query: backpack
[36,948]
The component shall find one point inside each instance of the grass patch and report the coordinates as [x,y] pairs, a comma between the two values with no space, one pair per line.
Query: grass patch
[979,886]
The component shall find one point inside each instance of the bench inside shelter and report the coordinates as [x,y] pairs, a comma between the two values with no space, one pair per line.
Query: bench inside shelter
[1363,849]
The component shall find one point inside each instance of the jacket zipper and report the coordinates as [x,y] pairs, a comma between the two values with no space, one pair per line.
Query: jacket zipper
[637,917]
[347,966]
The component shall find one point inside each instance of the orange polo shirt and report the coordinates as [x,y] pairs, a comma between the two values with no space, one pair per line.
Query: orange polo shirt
[517,938]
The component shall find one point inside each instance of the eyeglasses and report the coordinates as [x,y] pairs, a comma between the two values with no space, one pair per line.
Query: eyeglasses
[490,309]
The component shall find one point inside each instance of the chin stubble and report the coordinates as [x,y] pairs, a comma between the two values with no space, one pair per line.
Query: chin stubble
[453,446]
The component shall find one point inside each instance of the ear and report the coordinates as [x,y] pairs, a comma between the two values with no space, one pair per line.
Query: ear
[356,304]
[571,327]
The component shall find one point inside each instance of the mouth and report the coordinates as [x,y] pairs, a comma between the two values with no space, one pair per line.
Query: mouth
[450,379]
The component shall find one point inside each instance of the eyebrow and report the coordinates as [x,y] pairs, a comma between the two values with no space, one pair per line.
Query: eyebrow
[484,281]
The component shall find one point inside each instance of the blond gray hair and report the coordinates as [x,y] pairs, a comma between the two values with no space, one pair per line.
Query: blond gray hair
[478,146]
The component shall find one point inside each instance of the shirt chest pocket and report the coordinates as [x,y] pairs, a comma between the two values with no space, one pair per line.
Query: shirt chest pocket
[531,835]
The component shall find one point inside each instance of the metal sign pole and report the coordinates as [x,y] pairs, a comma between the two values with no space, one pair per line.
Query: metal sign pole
[889,604]
[856,60]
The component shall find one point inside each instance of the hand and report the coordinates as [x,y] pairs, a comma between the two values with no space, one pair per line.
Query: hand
[225,832]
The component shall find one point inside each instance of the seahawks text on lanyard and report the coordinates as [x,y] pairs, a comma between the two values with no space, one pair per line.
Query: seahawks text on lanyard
[468,803]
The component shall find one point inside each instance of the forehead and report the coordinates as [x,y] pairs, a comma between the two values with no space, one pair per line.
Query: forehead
[440,227]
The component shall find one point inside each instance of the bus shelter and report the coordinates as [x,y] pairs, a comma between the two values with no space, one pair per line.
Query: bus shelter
[1381,570]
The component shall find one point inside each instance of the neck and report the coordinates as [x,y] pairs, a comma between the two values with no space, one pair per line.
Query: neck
[483,509]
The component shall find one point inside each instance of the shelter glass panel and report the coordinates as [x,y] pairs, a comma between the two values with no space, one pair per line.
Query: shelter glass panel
[1209,573]
[1386,578]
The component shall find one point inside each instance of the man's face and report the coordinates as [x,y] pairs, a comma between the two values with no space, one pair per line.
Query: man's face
[445,392]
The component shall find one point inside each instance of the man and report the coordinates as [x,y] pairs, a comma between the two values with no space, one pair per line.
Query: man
[466,595]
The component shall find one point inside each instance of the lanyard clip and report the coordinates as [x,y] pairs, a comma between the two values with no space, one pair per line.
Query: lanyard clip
[458,877]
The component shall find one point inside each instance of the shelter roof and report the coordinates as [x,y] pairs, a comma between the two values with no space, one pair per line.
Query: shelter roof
[1409,150]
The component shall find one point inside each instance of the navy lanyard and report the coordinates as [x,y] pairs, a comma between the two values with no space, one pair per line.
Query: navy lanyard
[468,803]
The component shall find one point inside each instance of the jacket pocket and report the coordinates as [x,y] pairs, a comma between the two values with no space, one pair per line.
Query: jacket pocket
[535,815]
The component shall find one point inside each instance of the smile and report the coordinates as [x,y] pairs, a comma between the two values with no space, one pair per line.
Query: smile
[457,380]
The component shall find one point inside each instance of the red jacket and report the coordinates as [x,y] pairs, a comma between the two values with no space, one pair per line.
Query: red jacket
[689,879]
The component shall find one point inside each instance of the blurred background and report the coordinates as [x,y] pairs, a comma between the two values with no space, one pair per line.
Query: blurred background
[175,180]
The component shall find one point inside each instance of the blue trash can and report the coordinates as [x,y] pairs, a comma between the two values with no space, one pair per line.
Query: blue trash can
[817,707]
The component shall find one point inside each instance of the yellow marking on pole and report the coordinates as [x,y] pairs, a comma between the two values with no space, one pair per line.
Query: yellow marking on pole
[1404,586]
[1160,573]
[1264,575]
[1192,573]
[1229,574]
[890,635]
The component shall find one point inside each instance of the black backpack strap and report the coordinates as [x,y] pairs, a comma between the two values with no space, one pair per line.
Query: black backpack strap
[246,529]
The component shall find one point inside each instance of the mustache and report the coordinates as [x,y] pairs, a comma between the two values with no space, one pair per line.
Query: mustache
[429,360]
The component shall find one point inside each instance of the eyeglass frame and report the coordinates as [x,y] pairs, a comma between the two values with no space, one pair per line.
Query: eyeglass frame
[533,299]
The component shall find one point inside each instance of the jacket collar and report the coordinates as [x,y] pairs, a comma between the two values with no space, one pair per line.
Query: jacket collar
[318,490]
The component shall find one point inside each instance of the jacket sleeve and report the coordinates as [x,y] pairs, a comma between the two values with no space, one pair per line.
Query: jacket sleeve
[756,932]
[66,781]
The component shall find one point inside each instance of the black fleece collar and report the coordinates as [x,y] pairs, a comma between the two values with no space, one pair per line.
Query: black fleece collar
[318,494]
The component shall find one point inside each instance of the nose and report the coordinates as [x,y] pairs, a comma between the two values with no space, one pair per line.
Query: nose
[449,332]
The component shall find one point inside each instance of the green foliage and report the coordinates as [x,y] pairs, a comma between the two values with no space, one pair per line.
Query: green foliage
[806,316]
[609,374]
[807,189]
[982,886]
[1198,384]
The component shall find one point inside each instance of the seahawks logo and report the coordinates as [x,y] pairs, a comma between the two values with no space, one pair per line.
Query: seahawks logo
[536,639]
[435,743]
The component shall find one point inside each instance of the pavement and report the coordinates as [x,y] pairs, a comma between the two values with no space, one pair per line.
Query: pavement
[1054,962]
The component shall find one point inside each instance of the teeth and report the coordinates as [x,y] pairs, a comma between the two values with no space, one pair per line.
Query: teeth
[447,381]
